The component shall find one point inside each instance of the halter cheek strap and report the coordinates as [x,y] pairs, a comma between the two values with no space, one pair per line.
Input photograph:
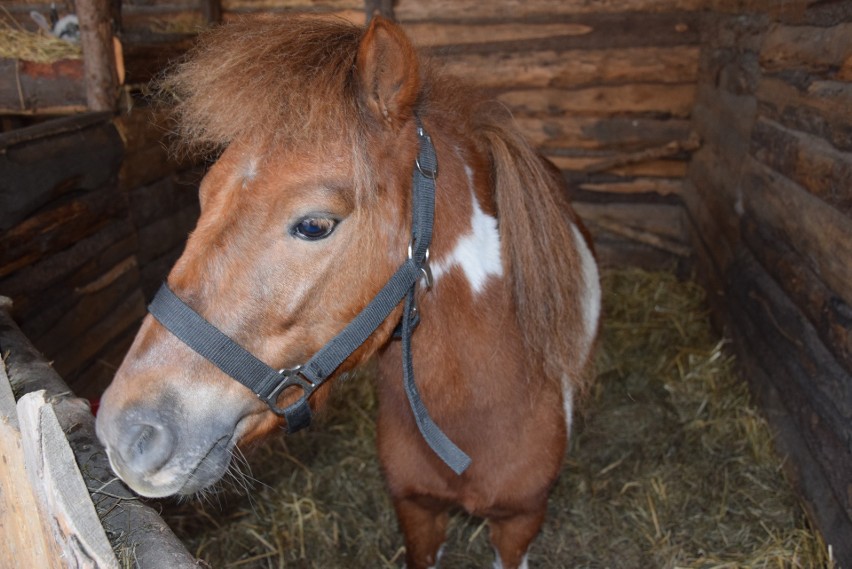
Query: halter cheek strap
[268,384]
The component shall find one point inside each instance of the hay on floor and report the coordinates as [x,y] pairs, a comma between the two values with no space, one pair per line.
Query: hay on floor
[670,466]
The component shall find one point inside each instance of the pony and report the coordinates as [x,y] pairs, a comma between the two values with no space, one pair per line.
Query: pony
[305,214]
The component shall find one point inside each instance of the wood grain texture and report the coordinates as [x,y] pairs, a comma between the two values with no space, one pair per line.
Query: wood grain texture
[83,152]
[667,100]
[26,540]
[30,88]
[575,68]
[808,160]
[470,9]
[818,232]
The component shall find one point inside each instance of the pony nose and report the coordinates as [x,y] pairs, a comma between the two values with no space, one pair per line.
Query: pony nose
[146,446]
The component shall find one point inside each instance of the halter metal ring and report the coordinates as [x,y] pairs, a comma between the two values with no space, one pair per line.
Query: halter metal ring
[292,377]
[424,268]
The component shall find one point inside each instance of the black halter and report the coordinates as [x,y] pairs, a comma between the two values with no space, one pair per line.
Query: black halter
[268,384]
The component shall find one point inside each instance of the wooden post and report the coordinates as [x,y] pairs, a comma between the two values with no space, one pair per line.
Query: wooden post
[212,11]
[98,54]
[382,8]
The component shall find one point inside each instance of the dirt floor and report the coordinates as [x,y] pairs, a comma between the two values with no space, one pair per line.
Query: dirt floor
[670,467]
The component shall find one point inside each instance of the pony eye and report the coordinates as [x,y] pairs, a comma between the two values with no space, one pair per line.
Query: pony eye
[314,228]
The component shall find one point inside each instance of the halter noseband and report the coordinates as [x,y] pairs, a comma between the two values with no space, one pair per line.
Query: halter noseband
[268,384]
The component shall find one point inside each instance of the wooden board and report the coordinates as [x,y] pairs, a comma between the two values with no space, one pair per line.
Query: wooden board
[808,160]
[813,389]
[661,99]
[83,150]
[28,88]
[820,234]
[575,68]
[470,9]
[63,497]
[593,31]
[26,541]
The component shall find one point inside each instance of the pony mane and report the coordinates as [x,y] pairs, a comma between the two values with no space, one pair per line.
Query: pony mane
[269,79]
[535,220]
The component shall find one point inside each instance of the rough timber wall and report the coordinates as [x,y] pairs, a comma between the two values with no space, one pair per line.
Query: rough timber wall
[604,89]
[769,197]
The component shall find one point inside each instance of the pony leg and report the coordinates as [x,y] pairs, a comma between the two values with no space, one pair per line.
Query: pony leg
[511,538]
[424,527]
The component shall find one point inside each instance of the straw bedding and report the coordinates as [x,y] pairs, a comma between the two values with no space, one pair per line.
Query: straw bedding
[670,466]
[38,47]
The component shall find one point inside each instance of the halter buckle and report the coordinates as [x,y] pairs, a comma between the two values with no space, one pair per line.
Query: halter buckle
[424,268]
[291,377]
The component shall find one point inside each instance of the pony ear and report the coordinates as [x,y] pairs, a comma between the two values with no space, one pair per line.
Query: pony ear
[388,73]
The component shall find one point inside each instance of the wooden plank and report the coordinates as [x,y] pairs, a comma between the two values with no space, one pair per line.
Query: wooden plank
[809,161]
[295,5]
[163,199]
[462,9]
[809,48]
[432,34]
[617,133]
[26,541]
[58,228]
[829,315]
[660,186]
[653,168]
[818,232]
[664,99]
[91,304]
[84,152]
[127,315]
[357,17]
[663,221]
[820,108]
[574,68]
[166,234]
[42,88]
[56,276]
[813,389]
[594,31]
[64,498]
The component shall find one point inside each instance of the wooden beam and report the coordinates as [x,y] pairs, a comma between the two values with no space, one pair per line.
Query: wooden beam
[96,38]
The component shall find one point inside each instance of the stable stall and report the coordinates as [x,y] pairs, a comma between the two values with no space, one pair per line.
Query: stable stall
[704,138]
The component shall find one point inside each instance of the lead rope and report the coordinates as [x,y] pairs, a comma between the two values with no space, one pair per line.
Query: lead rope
[268,384]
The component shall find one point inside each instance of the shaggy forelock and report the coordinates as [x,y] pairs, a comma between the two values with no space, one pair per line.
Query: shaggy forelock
[270,80]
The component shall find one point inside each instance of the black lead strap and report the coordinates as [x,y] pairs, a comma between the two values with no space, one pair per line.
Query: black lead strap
[268,384]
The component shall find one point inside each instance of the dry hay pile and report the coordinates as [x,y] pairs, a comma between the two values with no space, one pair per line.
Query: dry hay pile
[38,47]
[670,467]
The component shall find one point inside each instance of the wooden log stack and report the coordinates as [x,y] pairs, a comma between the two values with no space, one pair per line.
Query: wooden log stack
[769,197]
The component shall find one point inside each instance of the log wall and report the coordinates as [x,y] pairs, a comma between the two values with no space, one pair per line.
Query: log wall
[603,89]
[92,213]
[769,197]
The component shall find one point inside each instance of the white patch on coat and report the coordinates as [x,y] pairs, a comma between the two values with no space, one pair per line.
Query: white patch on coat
[568,403]
[477,252]
[590,295]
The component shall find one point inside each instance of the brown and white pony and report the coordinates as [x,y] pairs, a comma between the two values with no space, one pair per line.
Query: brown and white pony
[305,215]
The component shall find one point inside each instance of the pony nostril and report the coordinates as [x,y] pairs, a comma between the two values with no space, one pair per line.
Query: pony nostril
[147,447]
